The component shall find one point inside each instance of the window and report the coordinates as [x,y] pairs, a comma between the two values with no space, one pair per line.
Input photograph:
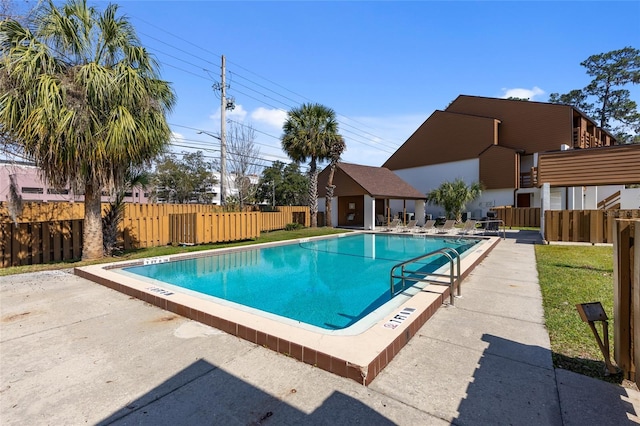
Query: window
[57,191]
[32,190]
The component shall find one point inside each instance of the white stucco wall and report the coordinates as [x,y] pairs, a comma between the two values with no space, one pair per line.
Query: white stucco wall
[557,199]
[369,212]
[588,197]
[630,198]
[428,178]
[575,199]
[334,208]
[608,190]
[490,198]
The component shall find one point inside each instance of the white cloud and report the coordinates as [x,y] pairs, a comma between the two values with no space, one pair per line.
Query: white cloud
[237,114]
[272,117]
[177,137]
[522,93]
[371,140]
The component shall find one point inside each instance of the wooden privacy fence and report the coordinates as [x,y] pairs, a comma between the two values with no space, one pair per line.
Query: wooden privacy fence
[626,300]
[518,216]
[204,228]
[40,242]
[143,225]
[271,221]
[591,226]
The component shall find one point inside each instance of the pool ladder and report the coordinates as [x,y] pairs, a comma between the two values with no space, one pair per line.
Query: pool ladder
[453,275]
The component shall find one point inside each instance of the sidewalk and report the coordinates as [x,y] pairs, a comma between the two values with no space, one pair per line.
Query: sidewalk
[74,352]
[488,359]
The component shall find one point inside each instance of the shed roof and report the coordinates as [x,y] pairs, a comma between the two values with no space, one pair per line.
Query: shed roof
[378,182]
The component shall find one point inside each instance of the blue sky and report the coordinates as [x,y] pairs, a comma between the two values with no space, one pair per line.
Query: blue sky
[384,67]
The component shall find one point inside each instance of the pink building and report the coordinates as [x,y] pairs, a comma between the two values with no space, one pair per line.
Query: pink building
[32,187]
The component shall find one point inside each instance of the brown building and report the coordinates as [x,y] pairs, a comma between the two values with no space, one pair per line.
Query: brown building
[513,147]
[363,194]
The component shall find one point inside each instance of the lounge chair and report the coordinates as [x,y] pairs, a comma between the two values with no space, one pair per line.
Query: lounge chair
[429,226]
[447,227]
[410,226]
[393,225]
[468,228]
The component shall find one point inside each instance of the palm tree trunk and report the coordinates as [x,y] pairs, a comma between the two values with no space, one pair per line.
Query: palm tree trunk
[329,198]
[313,192]
[92,245]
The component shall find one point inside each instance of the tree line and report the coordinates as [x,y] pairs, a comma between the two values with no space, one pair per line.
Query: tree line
[84,100]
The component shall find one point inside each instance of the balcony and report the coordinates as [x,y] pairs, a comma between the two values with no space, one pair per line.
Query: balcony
[529,179]
[585,139]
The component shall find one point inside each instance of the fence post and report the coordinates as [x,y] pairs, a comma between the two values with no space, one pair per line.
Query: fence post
[626,301]
[545,205]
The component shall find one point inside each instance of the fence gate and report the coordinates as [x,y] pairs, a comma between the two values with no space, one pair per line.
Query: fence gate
[182,229]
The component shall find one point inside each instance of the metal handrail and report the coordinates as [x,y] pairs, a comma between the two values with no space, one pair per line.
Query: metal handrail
[453,277]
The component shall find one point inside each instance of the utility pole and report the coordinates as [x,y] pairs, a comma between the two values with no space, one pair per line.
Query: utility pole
[225,104]
[274,194]
[223,135]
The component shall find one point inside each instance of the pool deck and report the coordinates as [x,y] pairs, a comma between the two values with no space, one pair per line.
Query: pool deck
[74,352]
[360,355]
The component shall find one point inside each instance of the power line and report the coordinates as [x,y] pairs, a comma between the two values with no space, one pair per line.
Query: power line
[378,140]
[236,122]
[278,157]
[245,156]
[289,106]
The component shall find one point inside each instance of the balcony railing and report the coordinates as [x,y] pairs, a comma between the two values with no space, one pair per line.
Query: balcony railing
[529,179]
[584,139]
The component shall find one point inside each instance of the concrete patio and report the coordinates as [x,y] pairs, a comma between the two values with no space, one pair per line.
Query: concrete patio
[75,352]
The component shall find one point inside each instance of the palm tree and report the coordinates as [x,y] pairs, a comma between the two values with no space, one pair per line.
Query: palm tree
[309,132]
[335,152]
[83,100]
[453,196]
[114,212]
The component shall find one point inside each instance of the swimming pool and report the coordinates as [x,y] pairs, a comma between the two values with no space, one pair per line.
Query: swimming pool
[359,351]
[330,283]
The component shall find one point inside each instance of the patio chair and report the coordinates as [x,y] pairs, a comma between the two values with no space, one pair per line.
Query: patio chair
[447,227]
[428,227]
[468,228]
[380,220]
[410,226]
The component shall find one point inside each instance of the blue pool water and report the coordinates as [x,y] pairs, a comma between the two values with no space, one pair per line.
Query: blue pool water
[328,283]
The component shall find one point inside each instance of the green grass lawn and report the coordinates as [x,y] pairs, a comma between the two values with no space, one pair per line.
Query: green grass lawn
[570,275]
[265,237]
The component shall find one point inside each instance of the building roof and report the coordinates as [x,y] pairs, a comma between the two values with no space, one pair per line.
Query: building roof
[378,182]
[472,124]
